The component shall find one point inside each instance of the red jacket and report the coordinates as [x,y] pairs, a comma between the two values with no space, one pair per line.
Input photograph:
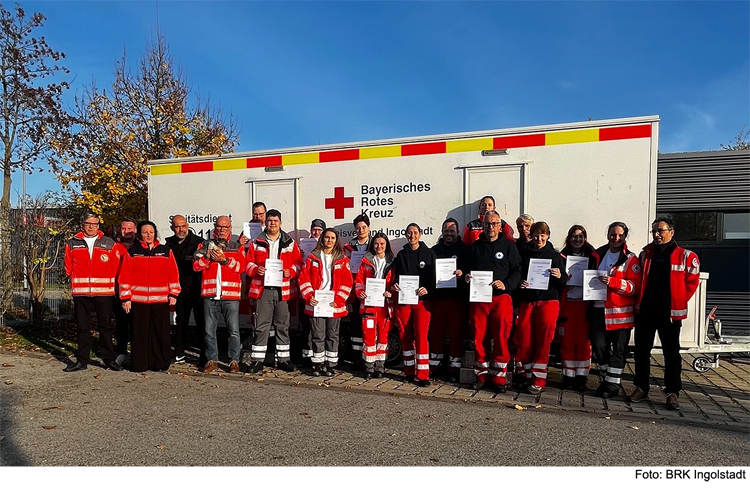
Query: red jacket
[622,290]
[149,275]
[311,277]
[290,256]
[683,281]
[92,275]
[474,228]
[367,270]
[231,281]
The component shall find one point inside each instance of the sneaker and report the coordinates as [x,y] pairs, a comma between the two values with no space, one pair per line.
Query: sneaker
[120,359]
[234,367]
[177,359]
[210,367]
[534,389]
[672,402]
[638,395]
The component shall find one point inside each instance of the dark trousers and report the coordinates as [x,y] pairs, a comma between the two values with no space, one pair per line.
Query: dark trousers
[355,332]
[82,308]
[150,348]
[182,328]
[123,326]
[669,335]
[609,348]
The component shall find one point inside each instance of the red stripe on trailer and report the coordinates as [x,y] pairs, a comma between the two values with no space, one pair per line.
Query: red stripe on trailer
[197,167]
[624,132]
[264,161]
[422,149]
[339,156]
[528,140]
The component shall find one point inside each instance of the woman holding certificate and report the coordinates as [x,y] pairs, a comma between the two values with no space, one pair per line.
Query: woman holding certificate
[573,326]
[373,279]
[614,318]
[325,283]
[414,276]
[545,278]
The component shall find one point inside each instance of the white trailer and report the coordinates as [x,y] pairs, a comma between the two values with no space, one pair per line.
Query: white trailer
[590,173]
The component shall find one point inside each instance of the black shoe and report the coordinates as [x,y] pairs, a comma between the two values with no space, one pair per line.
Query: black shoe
[114,366]
[410,378]
[255,367]
[329,372]
[286,366]
[423,383]
[368,375]
[478,385]
[75,367]
[580,387]
[378,374]
[453,378]
[609,392]
[500,389]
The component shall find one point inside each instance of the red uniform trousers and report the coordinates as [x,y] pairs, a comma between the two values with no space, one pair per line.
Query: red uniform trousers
[449,318]
[376,325]
[535,330]
[497,317]
[575,347]
[414,326]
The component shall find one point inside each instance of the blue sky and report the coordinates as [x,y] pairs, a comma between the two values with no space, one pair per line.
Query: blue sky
[303,73]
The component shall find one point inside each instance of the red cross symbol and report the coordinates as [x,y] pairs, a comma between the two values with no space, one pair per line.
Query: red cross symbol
[338,203]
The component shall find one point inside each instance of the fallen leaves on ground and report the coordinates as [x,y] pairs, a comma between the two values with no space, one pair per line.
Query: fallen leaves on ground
[635,428]
[520,407]
[51,407]
[160,447]
[8,365]
[49,427]
[8,382]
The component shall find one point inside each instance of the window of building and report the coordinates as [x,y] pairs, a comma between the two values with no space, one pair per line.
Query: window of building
[695,225]
[736,226]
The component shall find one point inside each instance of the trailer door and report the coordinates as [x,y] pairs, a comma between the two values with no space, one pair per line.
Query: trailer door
[503,182]
[278,194]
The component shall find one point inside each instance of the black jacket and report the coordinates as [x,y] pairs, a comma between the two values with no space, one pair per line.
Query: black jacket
[462,253]
[556,285]
[190,280]
[421,262]
[499,257]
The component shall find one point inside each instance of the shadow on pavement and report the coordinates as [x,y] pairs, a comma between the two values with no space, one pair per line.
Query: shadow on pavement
[11,453]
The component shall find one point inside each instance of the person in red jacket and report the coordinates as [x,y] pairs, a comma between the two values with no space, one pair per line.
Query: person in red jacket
[91,262]
[376,320]
[671,275]
[473,229]
[149,284]
[271,304]
[573,324]
[537,315]
[220,262]
[415,259]
[326,269]
[613,319]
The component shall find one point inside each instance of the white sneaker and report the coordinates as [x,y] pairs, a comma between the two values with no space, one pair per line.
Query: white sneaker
[179,359]
[121,359]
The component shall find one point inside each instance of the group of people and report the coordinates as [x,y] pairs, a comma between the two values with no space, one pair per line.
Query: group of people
[516,326]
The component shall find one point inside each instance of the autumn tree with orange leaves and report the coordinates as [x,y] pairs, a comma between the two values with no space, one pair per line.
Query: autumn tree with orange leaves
[147,114]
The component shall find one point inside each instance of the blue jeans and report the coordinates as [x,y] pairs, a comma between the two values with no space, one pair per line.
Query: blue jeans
[231,312]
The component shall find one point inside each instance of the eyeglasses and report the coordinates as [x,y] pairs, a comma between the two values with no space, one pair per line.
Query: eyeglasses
[91,224]
[660,231]
[492,224]
[217,227]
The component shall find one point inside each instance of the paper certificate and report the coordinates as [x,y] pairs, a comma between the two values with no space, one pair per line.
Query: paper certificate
[274,276]
[480,287]
[538,277]
[375,289]
[444,268]
[323,309]
[409,285]
[575,266]
[252,229]
[307,246]
[356,260]
[593,288]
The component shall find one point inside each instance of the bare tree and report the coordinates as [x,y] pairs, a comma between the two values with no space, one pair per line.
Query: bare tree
[741,141]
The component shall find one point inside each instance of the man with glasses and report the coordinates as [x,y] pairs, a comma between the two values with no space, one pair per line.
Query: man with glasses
[671,276]
[91,262]
[359,242]
[220,262]
[183,244]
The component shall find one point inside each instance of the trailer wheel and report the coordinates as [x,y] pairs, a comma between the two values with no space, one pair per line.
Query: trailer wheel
[394,348]
[701,364]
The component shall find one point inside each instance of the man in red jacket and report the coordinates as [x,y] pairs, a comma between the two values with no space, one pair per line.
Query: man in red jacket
[91,262]
[671,275]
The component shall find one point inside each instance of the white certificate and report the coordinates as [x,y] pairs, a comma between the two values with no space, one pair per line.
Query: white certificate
[252,229]
[593,288]
[274,276]
[356,260]
[538,277]
[307,246]
[575,266]
[480,287]
[323,309]
[409,285]
[444,268]
[375,289]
